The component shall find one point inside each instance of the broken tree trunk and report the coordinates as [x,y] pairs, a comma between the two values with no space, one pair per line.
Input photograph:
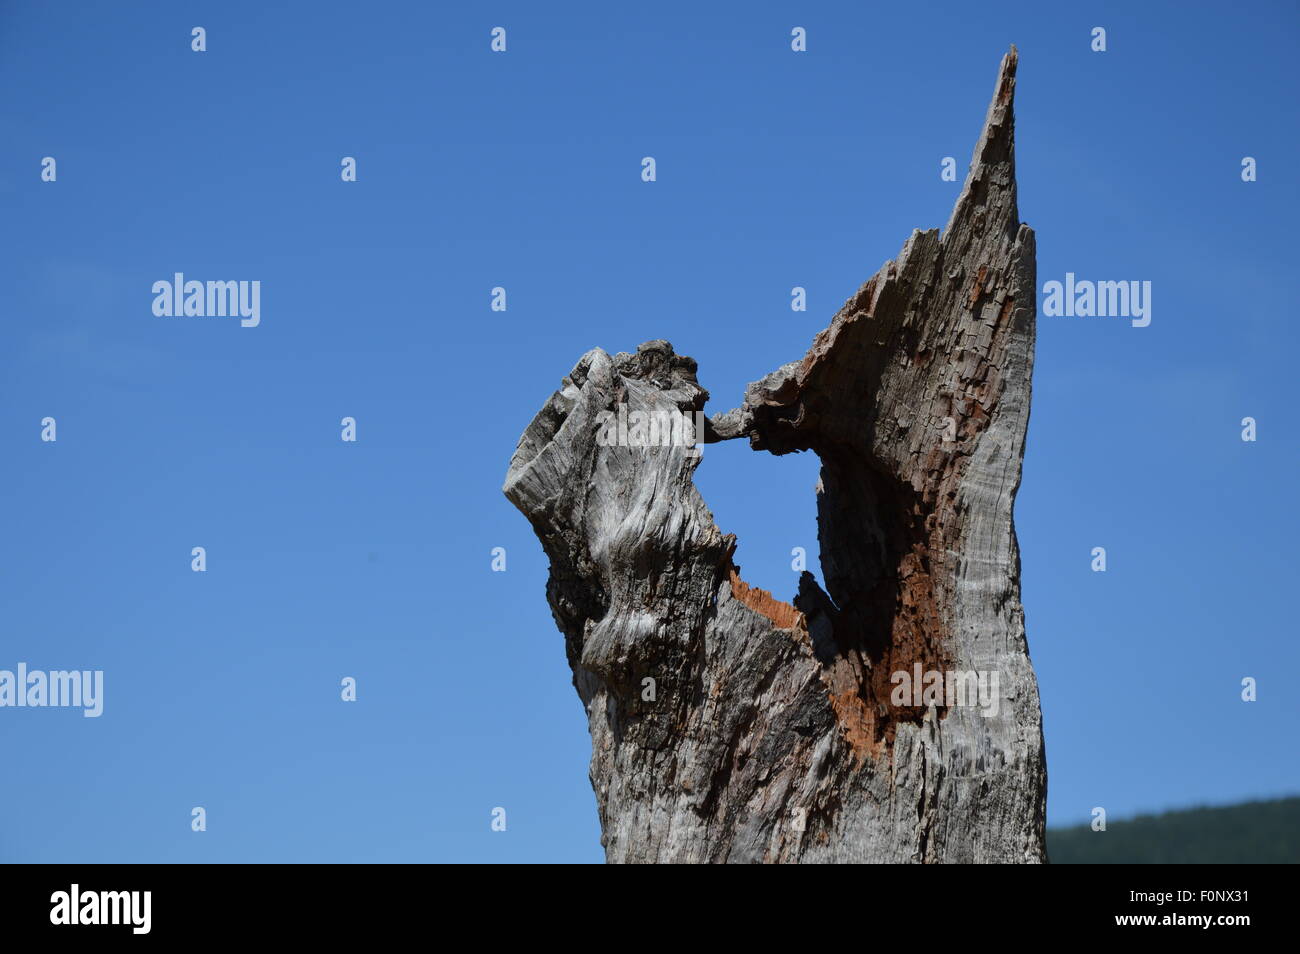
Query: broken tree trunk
[729,726]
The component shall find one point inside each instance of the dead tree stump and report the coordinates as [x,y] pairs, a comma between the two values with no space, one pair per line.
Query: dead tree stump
[728,726]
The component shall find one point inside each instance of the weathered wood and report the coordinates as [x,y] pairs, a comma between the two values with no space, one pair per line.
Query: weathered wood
[773,732]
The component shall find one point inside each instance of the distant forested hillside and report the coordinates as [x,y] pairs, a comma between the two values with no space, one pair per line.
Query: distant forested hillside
[1253,832]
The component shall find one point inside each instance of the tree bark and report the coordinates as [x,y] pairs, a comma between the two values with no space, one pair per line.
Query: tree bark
[728,726]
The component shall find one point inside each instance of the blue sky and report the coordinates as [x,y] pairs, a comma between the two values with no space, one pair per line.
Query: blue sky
[477,169]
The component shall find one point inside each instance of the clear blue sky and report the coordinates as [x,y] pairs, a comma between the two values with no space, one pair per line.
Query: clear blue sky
[475,169]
